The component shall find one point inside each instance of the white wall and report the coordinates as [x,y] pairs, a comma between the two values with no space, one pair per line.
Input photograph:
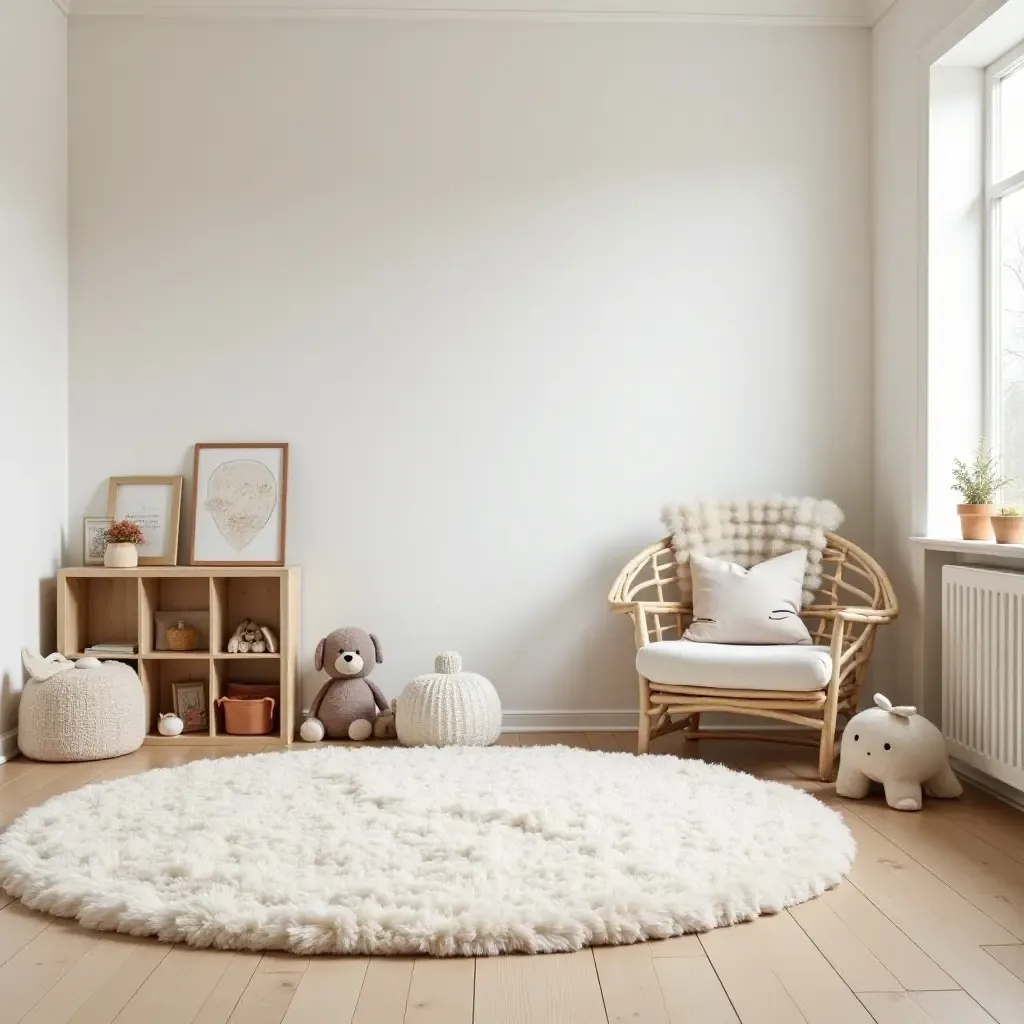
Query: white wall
[901,45]
[505,287]
[33,331]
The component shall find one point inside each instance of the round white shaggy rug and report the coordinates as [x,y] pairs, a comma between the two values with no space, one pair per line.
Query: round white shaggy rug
[446,852]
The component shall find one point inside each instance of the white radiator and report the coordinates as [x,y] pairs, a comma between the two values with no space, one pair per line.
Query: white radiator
[983,670]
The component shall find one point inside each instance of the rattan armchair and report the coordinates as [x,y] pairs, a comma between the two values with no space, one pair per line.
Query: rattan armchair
[855,598]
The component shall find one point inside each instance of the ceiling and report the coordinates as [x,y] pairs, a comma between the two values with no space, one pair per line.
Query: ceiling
[804,12]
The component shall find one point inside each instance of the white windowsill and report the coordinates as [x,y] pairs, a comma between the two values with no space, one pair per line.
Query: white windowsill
[975,547]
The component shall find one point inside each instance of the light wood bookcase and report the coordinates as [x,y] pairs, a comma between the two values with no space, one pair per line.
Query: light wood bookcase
[98,605]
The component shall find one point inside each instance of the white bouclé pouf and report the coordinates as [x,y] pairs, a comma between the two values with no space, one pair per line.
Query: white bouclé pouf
[448,708]
[82,714]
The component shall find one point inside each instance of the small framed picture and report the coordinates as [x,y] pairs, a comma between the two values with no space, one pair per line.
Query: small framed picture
[94,539]
[154,503]
[241,501]
[190,705]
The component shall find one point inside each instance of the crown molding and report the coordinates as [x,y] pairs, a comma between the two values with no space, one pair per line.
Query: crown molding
[877,9]
[813,13]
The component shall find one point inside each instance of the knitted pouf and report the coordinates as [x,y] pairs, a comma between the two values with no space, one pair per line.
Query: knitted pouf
[448,708]
[82,714]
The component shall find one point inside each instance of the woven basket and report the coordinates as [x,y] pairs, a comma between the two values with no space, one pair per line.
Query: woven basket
[182,637]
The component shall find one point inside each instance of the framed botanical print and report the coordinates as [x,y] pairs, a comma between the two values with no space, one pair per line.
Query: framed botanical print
[94,539]
[190,705]
[154,504]
[240,503]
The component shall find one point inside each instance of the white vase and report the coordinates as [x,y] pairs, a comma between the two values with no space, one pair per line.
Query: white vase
[120,556]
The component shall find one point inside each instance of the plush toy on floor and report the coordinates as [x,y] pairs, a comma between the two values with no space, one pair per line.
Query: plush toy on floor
[898,748]
[346,706]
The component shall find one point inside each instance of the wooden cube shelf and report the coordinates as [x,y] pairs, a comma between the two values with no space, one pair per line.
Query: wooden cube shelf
[99,605]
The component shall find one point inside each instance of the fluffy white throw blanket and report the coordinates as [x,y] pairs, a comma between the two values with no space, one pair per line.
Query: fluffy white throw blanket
[748,532]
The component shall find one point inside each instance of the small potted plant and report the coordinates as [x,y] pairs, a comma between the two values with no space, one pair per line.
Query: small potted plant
[120,552]
[1007,526]
[977,484]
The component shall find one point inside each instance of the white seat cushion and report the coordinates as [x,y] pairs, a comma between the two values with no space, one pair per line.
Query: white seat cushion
[735,666]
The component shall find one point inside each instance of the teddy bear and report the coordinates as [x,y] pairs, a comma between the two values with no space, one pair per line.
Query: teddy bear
[348,703]
[898,748]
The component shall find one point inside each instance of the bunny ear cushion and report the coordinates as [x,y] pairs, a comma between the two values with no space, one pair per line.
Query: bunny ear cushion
[40,668]
[903,710]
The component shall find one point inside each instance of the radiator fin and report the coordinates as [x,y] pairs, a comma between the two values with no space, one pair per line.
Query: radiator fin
[983,669]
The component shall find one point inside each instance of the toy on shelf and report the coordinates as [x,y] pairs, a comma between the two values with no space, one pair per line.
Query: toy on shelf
[251,638]
[170,725]
[898,748]
[348,703]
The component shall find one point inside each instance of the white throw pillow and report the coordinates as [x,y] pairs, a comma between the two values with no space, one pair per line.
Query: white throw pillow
[759,605]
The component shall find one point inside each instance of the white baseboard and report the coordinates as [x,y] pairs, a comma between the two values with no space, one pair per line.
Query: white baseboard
[605,721]
[1001,791]
[8,745]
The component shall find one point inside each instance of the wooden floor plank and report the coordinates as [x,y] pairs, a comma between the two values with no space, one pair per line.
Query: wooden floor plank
[508,739]
[629,984]
[267,996]
[91,973]
[560,988]
[946,931]
[109,999]
[979,872]
[176,991]
[924,1008]
[441,992]
[221,1002]
[329,991]
[895,882]
[551,739]
[606,741]
[692,992]
[385,991]
[907,962]
[18,927]
[1011,957]
[776,944]
[681,945]
[39,965]
[853,961]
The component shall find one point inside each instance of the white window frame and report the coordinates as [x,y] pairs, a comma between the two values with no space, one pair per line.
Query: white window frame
[995,191]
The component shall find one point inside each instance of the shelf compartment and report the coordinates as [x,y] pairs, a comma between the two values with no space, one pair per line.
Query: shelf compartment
[243,597]
[158,678]
[100,610]
[171,596]
[261,672]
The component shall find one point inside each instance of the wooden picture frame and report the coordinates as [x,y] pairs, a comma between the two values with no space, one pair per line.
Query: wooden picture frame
[191,704]
[154,502]
[93,540]
[239,503]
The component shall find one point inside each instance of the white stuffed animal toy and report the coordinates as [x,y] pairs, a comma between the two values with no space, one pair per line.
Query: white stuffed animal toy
[898,748]
[252,638]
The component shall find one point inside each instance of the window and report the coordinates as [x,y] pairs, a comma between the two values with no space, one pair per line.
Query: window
[1004,179]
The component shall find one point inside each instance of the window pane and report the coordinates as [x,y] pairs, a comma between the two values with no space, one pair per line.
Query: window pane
[1011,124]
[1011,336]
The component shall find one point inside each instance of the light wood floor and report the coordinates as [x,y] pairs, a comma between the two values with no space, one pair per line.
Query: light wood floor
[928,928]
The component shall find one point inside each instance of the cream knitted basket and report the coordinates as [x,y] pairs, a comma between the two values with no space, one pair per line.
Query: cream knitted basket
[448,708]
[82,714]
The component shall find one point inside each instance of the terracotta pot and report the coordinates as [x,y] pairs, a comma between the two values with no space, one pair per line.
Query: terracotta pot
[120,555]
[245,716]
[1008,529]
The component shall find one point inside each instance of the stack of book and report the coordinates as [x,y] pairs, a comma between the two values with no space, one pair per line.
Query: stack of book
[113,650]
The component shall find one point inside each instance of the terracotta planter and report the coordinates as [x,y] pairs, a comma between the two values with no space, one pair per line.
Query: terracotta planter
[1008,529]
[244,716]
[120,556]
